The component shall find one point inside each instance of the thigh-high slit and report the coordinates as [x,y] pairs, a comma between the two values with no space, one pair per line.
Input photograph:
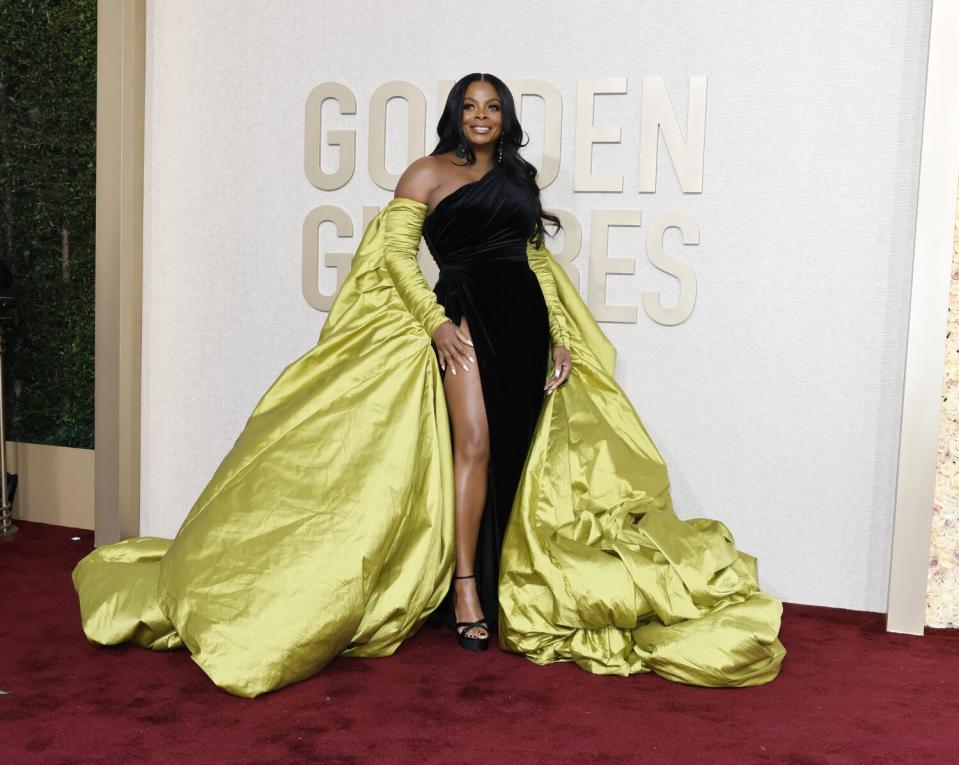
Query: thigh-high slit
[505,310]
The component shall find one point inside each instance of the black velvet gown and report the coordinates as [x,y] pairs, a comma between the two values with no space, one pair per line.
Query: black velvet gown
[477,236]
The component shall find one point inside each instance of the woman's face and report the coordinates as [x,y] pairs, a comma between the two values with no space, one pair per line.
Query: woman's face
[482,114]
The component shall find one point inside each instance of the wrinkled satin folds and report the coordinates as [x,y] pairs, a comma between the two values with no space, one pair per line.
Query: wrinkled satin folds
[328,527]
[597,568]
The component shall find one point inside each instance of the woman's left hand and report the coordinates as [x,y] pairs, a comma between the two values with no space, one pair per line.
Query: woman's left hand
[562,366]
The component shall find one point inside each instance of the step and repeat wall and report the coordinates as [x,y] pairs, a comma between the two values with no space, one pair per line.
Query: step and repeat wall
[737,183]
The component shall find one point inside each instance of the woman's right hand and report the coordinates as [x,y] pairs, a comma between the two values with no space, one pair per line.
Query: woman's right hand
[453,346]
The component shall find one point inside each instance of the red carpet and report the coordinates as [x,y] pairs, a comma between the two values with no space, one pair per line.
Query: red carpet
[848,693]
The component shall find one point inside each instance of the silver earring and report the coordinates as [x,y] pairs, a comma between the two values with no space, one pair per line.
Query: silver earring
[499,151]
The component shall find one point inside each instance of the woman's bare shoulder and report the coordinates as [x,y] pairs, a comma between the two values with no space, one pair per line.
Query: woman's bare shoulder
[421,178]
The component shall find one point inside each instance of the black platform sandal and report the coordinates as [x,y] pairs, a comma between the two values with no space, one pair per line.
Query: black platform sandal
[470,643]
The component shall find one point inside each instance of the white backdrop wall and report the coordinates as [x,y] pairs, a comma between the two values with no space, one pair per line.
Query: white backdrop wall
[776,404]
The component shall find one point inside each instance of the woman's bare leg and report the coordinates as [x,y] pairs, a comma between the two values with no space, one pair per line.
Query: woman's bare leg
[464,400]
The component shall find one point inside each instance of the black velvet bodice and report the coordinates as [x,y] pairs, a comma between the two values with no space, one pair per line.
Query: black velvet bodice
[484,221]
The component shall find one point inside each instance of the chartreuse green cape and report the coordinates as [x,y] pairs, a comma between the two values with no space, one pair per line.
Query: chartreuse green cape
[328,527]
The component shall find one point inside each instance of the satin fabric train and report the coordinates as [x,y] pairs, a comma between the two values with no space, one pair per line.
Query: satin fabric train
[298,550]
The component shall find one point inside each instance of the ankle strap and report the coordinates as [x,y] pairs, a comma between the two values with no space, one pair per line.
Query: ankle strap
[467,576]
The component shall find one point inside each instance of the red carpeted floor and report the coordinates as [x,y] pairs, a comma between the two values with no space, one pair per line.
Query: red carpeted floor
[849,693]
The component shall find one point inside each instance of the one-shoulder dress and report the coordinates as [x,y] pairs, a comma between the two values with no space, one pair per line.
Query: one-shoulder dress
[478,236]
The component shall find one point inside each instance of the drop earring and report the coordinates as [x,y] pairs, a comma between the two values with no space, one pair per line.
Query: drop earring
[499,150]
[460,150]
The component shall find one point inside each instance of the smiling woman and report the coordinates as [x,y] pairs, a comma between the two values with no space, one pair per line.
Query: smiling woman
[463,452]
[490,323]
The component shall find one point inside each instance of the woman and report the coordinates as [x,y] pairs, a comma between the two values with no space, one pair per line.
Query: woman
[420,422]
[489,311]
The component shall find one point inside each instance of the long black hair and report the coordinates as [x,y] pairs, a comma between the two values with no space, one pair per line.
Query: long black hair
[450,132]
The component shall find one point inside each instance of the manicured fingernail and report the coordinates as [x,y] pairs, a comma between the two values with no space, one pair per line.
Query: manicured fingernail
[466,367]
[550,392]
[472,359]
[470,342]
[557,372]
[454,370]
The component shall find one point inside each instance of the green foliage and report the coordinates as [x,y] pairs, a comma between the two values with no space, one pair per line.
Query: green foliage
[48,58]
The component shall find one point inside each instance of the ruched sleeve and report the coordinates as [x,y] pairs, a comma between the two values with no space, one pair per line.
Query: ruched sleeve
[403,230]
[537,257]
